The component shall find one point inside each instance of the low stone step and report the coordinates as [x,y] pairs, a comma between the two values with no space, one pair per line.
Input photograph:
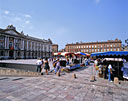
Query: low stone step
[16,72]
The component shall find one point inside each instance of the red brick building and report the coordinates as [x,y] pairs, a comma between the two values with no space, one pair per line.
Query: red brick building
[54,48]
[90,47]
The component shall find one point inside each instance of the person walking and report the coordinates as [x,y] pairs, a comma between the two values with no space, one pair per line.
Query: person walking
[46,66]
[42,66]
[57,67]
[109,72]
[39,63]
[54,65]
[96,67]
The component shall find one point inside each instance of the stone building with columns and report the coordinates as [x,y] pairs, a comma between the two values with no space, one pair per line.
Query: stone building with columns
[14,44]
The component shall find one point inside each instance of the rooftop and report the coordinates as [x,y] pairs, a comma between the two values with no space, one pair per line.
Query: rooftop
[116,40]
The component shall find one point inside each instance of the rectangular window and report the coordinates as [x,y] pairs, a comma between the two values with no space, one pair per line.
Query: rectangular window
[1,44]
[1,53]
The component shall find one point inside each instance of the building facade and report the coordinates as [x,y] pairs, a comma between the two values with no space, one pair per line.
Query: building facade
[54,48]
[17,45]
[90,47]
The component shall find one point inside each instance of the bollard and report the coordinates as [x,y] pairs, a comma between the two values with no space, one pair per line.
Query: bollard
[92,78]
[74,75]
[116,80]
[58,74]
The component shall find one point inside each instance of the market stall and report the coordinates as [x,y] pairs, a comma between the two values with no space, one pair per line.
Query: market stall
[115,58]
[56,54]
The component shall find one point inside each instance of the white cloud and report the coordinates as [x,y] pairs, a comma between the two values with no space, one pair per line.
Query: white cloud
[6,12]
[17,19]
[27,16]
[27,22]
[97,1]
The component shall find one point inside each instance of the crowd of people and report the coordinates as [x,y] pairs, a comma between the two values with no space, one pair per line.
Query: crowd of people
[43,64]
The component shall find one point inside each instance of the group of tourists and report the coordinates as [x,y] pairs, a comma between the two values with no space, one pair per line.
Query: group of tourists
[43,64]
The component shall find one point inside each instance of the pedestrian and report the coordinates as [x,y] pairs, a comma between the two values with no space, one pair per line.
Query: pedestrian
[42,66]
[46,66]
[67,62]
[38,63]
[57,67]
[109,72]
[124,69]
[96,66]
[54,65]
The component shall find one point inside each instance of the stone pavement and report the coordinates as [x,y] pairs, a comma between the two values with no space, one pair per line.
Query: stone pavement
[20,61]
[64,88]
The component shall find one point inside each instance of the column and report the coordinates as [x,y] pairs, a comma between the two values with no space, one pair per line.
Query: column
[5,42]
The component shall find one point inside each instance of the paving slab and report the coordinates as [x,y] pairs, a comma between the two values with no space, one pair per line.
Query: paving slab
[64,88]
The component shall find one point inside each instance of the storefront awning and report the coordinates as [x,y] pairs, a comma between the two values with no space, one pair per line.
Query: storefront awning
[111,53]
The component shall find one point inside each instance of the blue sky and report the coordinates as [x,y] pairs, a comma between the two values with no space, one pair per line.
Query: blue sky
[67,21]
